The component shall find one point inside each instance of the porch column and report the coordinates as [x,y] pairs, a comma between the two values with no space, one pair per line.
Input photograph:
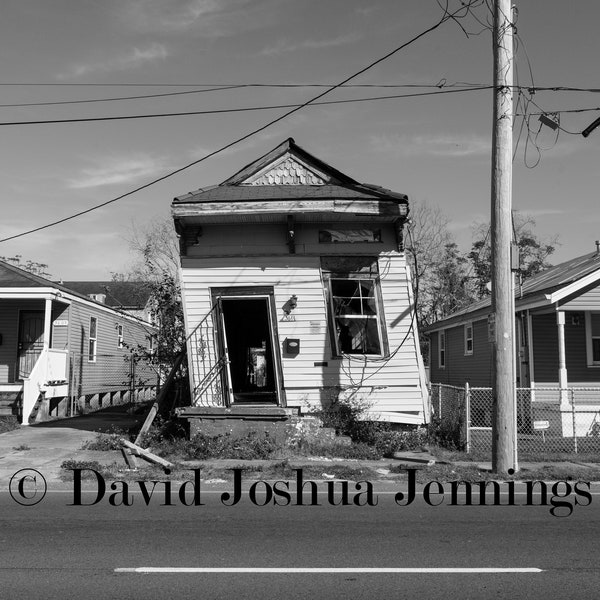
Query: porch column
[47,323]
[562,363]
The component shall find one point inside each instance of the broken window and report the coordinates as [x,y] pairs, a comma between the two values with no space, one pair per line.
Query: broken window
[354,305]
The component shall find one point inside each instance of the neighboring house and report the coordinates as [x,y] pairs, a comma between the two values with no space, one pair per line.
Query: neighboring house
[296,291]
[557,337]
[62,352]
[132,297]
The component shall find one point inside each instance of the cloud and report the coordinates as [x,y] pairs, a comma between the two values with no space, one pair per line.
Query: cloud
[207,18]
[116,171]
[447,145]
[283,46]
[132,60]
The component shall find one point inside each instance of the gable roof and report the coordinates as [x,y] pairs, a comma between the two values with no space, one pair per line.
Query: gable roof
[118,294]
[543,289]
[14,279]
[288,172]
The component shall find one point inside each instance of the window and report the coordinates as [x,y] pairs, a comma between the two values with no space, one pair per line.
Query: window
[592,334]
[334,236]
[356,320]
[93,339]
[120,341]
[469,339]
[354,304]
[442,349]
[151,344]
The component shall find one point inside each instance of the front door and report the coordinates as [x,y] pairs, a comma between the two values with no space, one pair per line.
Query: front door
[248,336]
[31,341]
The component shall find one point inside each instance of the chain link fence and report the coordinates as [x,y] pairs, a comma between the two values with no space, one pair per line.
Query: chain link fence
[548,420]
[108,380]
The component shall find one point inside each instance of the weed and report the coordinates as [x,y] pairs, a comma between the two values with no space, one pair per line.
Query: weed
[105,441]
[21,448]
[87,466]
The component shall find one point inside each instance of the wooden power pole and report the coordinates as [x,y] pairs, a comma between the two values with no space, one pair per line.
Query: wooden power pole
[502,328]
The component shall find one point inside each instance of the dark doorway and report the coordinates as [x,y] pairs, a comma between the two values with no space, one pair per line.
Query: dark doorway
[249,340]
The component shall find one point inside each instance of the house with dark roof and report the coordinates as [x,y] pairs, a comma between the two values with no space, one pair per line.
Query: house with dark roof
[63,352]
[296,292]
[132,297]
[557,338]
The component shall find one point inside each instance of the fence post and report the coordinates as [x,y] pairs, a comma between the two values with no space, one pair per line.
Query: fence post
[468,415]
[574,420]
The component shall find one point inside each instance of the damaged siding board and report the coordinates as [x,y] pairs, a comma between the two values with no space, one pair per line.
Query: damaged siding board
[395,387]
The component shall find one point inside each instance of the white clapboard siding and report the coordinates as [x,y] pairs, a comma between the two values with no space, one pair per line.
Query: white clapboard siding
[394,385]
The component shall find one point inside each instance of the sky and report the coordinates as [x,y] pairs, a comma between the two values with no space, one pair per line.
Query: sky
[435,148]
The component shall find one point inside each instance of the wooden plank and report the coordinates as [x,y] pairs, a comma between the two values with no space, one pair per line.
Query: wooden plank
[160,399]
[138,451]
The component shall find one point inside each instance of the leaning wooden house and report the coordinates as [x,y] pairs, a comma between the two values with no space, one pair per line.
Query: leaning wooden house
[296,292]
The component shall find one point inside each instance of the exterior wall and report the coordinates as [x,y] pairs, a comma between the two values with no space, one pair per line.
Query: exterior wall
[111,371]
[588,299]
[461,368]
[545,344]
[391,385]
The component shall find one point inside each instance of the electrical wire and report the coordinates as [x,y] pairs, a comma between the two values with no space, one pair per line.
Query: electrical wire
[467,6]
[237,110]
[439,85]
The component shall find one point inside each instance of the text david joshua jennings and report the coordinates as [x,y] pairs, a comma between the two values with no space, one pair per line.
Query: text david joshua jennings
[561,496]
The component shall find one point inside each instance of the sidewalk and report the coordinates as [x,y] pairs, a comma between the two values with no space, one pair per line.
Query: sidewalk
[45,446]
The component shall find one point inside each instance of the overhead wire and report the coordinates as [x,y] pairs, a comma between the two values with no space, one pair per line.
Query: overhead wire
[465,9]
[217,111]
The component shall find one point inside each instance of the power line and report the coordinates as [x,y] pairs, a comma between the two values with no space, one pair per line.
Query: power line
[234,110]
[440,86]
[465,9]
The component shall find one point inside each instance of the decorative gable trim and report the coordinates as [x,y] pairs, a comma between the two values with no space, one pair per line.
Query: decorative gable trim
[288,170]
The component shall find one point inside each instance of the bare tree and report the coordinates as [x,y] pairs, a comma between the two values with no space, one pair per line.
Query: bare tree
[156,251]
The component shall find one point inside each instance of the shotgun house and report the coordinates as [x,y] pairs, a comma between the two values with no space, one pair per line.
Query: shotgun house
[62,352]
[296,292]
[557,345]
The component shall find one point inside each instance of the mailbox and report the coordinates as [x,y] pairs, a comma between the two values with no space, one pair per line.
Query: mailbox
[291,346]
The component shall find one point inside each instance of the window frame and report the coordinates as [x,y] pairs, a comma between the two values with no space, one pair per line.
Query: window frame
[442,349]
[591,339]
[93,340]
[120,336]
[467,339]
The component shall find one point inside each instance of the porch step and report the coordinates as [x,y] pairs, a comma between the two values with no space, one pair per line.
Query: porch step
[252,413]
[11,398]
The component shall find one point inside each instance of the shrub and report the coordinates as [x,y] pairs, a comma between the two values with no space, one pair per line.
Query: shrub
[164,430]
[388,442]
[447,433]
[249,447]
[105,442]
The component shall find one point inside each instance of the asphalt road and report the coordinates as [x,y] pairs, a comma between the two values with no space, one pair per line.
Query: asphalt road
[57,550]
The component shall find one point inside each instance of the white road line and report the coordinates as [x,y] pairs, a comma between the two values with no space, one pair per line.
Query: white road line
[327,570]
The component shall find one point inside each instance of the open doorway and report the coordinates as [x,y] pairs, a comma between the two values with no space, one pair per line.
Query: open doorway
[249,339]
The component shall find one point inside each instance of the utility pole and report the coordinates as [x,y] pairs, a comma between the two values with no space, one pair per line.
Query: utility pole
[503,391]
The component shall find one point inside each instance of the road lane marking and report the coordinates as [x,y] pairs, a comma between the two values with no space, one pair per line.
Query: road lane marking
[328,570]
